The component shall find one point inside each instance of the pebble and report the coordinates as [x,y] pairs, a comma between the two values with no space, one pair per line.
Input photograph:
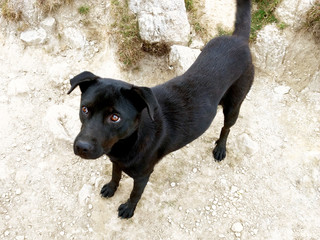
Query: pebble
[18,191]
[282,90]
[173,184]
[237,227]
[84,194]
[195,170]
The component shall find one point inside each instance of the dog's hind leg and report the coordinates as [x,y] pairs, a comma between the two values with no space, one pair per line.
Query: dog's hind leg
[231,103]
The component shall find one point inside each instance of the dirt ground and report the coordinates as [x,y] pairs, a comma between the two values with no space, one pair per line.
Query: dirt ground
[268,187]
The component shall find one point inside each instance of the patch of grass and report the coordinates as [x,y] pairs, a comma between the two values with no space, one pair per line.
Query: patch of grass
[313,20]
[9,12]
[194,16]
[223,32]
[263,15]
[49,6]
[282,25]
[157,49]
[127,32]
[84,10]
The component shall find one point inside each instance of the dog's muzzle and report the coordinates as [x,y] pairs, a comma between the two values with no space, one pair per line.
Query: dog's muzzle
[86,150]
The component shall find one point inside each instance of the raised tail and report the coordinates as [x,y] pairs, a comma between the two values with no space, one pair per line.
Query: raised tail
[243,19]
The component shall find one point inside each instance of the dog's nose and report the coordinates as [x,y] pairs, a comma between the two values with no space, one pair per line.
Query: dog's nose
[82,148]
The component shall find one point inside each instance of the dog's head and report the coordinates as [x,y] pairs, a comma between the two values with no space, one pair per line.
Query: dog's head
[110,110]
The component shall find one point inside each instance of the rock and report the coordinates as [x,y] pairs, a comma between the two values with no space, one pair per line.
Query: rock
[292,12]
[237,227]
[18,86]
[162,21]
[84,194]
[34,37]
[270,49]
[197,43]
[281,90]
[247,145]
[20,238]
[74,37]
[181,58]
[48,24]
[61,121]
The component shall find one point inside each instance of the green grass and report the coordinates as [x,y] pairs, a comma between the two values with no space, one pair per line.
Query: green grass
[84,10]
[262,16]
[223,32]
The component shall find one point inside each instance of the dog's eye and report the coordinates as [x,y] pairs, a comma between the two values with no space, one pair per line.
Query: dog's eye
[115,118]
[85,110]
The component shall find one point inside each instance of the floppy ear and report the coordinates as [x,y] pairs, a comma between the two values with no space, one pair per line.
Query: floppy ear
[142,97]
[84,80]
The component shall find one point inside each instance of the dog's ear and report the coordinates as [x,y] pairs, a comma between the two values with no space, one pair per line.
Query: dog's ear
[142,97]
[84,80]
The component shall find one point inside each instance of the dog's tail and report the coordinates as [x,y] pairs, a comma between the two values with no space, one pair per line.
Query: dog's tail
[243,19]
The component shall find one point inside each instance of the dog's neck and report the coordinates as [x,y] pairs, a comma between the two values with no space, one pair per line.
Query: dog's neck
[121,148]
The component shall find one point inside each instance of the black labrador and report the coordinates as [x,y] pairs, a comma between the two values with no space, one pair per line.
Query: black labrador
[137,126]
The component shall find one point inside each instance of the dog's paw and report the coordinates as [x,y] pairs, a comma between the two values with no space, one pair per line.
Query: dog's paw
[219,153]
[108,190]
[126,210]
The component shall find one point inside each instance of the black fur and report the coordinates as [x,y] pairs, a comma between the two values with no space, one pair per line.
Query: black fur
[156,121]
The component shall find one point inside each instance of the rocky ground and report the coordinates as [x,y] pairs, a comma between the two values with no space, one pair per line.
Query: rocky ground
[268,187]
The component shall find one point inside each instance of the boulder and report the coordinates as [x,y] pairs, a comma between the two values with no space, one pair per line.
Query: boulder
[162,21]
[181,58]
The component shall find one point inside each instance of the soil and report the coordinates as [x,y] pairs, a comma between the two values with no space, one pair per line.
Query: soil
[268,187]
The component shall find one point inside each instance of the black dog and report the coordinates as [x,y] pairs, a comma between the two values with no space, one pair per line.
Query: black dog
[137,126]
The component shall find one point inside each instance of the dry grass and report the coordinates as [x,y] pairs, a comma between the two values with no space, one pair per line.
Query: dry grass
[313,20]
[126,29]
[10,11]
[49,6]
[193,8]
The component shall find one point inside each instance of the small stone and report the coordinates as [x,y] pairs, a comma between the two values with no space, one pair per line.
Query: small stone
[18,191]
[34,37]
[195,170]
[233,189]
[282,90]
[90,206]
[48,24]
[84,194]
[173,184]
[247,145]
[18,87]
[28,148]
[237,227]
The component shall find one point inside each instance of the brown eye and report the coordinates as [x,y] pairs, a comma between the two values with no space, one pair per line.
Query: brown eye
[85,110]
[115,118]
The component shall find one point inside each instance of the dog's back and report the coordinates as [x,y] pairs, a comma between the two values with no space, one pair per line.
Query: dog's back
[189,102]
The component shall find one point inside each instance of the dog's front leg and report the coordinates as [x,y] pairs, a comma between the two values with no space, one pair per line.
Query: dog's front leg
[109,189]
[126,210]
